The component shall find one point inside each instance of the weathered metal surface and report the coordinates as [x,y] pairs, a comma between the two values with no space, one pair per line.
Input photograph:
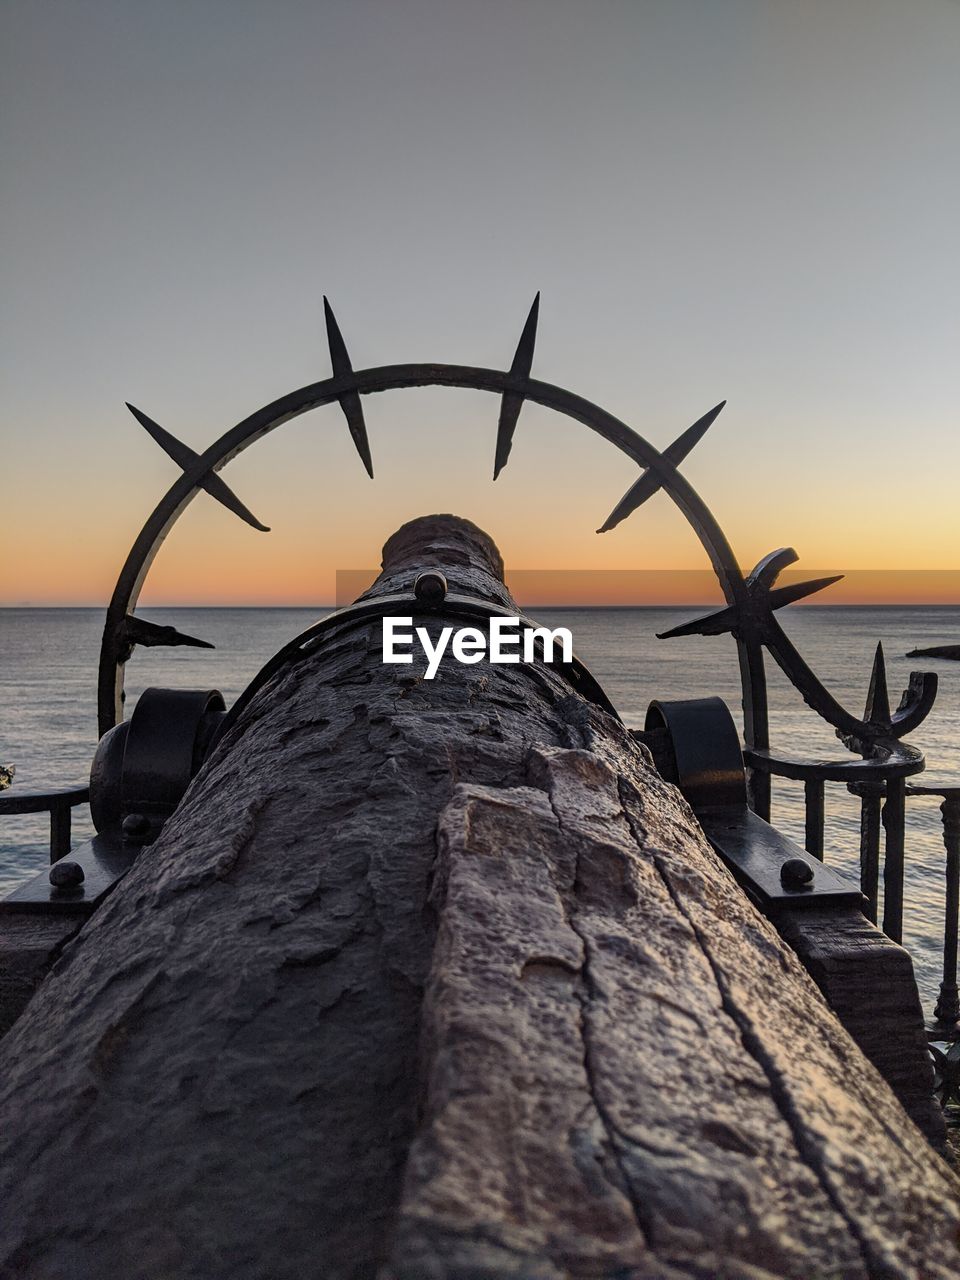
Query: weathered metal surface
[466,1208]
[455,605]
[866,978]
[143,767]
[442,978]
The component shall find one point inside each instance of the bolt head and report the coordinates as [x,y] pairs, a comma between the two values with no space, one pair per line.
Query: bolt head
[136,826]
[430,587]
[795,874]
[66,874]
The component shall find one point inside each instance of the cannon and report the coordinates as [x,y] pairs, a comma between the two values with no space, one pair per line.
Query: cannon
[375,975]
[446,978]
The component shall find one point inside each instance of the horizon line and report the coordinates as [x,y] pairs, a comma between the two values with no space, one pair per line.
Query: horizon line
[693,604]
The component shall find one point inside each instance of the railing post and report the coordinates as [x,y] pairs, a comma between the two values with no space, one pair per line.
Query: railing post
[893,817]
[60,819]
[871,794]
[759,792]
[57,804]
[813,803]
[948,1004]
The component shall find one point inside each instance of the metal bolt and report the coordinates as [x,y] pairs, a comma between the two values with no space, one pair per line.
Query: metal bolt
[136,826]
[795,873]
[66,875]
[430,587]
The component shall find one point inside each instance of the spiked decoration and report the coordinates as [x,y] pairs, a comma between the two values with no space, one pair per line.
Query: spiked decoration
[512,401]
[877,710]
[186,458]
[761,598]
[649,482]
[134,630]
[349,402]
[915,701]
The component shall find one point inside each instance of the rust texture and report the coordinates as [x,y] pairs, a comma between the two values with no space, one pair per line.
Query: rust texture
[442,980]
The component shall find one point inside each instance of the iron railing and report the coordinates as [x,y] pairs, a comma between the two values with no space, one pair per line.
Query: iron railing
[883,792]
[59,803]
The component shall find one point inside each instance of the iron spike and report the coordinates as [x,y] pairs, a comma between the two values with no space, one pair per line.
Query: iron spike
[649,482]
[512,401]
[765,572]
[136,630]
[710,624]
[186,459]
[339,359]
[715,624]
[523,356]
[349,402]
[878,701]
[781,596]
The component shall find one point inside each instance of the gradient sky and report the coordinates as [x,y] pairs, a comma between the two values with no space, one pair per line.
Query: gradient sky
[750,199]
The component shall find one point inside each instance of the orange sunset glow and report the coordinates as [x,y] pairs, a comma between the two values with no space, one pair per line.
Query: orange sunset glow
[325,515]
[738,254]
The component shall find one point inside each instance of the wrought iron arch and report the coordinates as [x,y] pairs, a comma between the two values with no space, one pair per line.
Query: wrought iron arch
[751,599]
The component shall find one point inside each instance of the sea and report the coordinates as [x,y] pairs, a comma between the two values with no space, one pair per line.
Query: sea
[48,723]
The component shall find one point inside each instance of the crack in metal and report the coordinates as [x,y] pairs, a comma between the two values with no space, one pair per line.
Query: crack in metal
[754,1047]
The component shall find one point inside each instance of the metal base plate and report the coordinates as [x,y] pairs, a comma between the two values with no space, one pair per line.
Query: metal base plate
[104,861]
[754,851]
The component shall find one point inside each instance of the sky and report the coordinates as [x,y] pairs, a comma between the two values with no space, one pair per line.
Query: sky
[745,199]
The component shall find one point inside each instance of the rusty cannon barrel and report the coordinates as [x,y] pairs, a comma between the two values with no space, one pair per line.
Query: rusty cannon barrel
[442,978]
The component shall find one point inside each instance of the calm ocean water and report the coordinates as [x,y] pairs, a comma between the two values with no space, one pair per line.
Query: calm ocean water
[48,707]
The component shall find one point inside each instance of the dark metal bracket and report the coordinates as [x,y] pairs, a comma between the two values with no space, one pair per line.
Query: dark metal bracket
[87,876]
[710,772]
[140,773]
[771,866]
